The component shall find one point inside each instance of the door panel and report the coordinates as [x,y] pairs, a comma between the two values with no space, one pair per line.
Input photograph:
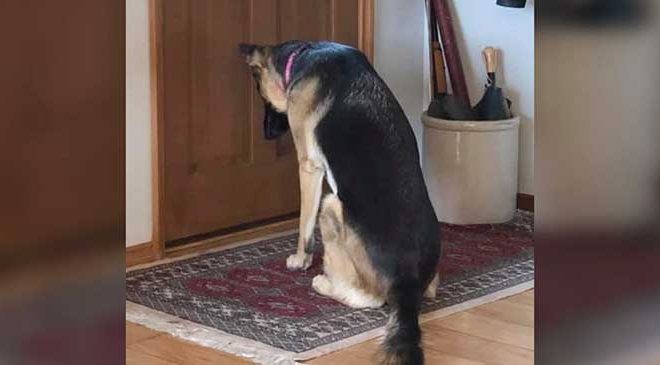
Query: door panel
[304,19]
[346,12]
[219,172]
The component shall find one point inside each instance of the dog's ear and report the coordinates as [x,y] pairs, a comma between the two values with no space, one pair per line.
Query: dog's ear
[275,123]
[247,49]
[253,53]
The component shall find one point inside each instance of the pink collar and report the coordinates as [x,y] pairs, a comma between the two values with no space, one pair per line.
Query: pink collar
[289,65]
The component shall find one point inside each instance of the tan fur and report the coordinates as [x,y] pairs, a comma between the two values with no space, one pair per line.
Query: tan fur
[270,80]
[348,275]
[311,183]
[431,290]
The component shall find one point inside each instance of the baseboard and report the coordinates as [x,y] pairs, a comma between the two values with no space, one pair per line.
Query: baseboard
[140,254]
[525,202]
[144,253]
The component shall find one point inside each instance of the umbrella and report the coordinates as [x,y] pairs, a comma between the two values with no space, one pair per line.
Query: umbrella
[493,105]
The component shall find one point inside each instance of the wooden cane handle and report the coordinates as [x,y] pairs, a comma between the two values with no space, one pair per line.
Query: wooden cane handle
[451,50]
[439,65]
[490,57]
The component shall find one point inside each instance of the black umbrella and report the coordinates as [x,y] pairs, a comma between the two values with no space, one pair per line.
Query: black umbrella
[493,105]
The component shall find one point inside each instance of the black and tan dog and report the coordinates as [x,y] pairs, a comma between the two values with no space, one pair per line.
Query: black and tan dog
[380,233]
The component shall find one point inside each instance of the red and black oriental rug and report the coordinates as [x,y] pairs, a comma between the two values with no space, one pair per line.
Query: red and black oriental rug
[244,301]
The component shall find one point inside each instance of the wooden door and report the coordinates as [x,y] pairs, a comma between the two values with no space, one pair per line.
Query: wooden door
[218,172]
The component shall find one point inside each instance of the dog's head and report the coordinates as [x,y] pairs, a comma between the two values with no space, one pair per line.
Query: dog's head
[270,85]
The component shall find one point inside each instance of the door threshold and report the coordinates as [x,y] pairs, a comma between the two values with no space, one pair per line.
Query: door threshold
[227,236]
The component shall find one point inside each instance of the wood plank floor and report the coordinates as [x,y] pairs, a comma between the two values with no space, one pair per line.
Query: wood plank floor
[497,333]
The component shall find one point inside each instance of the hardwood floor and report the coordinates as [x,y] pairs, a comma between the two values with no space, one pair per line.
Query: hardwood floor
[497,333]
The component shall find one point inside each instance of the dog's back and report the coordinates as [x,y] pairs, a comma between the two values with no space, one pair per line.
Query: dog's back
[373,156]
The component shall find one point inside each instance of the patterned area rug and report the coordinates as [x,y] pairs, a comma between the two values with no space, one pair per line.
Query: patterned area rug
[244,301]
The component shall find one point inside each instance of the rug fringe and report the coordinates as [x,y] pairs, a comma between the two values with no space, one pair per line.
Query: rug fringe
[268,355]
[208,337]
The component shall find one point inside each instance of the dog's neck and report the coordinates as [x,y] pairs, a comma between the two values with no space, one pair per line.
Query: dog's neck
[288,69]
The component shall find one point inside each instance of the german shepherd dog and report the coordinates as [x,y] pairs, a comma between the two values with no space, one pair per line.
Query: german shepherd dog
[379,231]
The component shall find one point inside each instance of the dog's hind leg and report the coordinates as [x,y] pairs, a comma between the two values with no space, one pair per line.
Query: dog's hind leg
[431,290]
[341,280]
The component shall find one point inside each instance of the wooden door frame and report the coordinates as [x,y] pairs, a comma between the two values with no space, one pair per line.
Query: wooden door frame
[155,249]
[157,136]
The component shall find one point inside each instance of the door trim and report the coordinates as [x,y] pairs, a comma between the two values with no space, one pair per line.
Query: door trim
[365,43]
[140,254]
[366,28]
[157,148]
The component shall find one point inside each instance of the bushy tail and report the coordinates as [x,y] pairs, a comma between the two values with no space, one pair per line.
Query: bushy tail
[402,344]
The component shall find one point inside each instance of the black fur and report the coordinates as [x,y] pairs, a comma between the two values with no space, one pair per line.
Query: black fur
[275,124]
[372,153]
[404,335]
[247,49]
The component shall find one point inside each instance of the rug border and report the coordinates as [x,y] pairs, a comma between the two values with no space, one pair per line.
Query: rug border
[265,354]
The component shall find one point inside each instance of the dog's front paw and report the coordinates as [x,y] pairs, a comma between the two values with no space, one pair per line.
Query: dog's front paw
[299,262]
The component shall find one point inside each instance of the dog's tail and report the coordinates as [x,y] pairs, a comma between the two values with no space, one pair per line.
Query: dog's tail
[402,343]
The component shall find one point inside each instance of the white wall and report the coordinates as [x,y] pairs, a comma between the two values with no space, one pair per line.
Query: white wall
[481,23]
[138,127]
[399,55]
